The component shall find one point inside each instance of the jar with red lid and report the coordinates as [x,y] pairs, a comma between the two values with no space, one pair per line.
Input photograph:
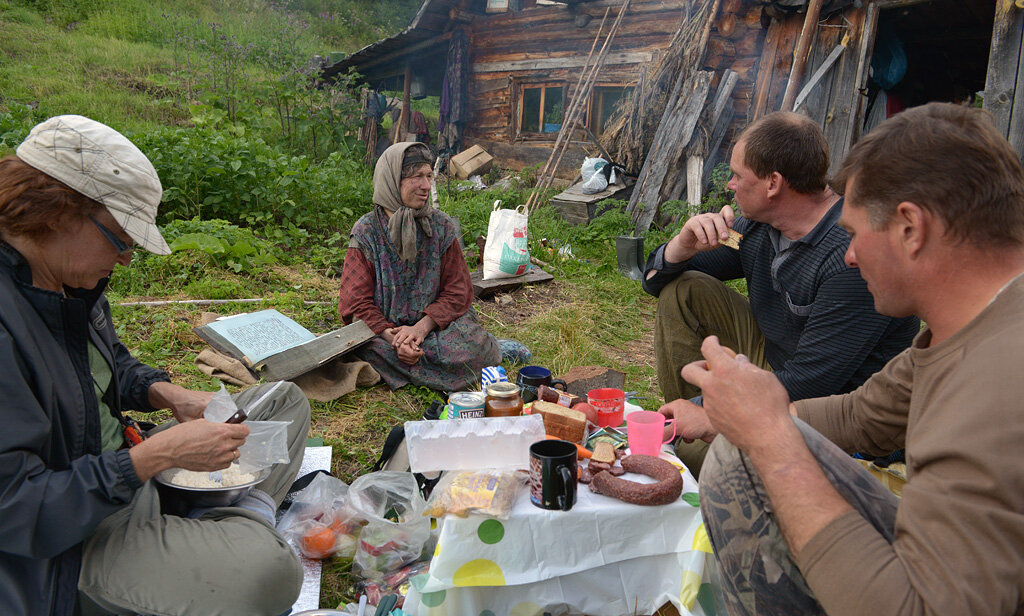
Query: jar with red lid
[503,400]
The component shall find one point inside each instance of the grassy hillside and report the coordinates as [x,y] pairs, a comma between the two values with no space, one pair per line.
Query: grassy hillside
[138,63]
[263,179]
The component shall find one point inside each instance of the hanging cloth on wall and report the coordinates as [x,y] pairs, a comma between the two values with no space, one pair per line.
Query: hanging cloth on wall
[454,110]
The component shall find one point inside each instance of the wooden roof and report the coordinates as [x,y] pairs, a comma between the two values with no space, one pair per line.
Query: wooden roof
[418,45]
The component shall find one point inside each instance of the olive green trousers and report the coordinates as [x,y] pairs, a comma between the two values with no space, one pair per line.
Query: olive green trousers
[691,308]
[228,561]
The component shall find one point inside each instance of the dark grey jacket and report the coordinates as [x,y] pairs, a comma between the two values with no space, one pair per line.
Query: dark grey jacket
[55,484]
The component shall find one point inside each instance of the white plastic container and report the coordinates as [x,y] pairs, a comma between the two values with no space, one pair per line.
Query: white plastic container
[471,444]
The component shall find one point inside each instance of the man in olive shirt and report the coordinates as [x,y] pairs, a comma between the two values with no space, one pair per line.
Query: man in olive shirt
[935,209]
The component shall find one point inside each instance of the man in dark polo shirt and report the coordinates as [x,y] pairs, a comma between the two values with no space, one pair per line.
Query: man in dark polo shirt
[809,318]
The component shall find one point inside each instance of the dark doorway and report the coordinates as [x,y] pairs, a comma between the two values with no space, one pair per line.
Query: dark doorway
[929,51]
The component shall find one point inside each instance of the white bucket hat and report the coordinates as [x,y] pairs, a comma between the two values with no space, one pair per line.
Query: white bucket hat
[102,164]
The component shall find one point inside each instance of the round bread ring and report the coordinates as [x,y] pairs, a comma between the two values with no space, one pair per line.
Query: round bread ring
[668,488]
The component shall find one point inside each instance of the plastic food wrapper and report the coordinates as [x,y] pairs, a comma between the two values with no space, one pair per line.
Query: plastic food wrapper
[491,493]
[471,444]
[396,583]
[396,530]
[267,443]
[320,523]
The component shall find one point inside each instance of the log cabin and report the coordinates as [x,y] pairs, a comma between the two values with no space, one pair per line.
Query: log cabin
[507,69]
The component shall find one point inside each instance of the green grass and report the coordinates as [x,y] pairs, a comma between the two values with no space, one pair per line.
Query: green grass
[132,63]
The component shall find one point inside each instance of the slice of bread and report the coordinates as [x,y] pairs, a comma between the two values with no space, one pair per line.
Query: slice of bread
[561,422]
[604,452]
[733,241]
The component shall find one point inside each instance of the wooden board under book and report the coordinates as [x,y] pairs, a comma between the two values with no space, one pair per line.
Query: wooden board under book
[299,359]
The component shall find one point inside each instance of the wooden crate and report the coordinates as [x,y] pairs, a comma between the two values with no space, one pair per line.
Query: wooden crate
[472,161]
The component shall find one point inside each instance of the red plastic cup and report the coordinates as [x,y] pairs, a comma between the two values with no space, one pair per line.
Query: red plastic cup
[610,404]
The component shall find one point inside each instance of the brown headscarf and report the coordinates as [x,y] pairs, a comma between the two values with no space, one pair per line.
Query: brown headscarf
[387,195]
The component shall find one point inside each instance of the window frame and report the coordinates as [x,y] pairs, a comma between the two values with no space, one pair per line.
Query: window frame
[592,107]
[520,90]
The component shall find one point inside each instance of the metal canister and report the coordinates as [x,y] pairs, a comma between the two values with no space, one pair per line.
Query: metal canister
[466,404]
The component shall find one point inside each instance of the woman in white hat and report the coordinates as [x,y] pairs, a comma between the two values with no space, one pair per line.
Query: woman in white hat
[82,526]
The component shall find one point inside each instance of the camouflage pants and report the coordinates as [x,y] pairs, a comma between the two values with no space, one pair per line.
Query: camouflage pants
[758,573]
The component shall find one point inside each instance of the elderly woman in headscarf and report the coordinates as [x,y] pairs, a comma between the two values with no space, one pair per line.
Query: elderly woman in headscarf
[406,278]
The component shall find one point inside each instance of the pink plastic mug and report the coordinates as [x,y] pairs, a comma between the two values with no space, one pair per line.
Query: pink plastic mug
[645,430]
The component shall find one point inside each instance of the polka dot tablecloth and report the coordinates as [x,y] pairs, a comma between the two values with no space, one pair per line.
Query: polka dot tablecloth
[602,558]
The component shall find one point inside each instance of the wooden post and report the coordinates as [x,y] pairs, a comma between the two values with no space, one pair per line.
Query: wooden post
[803,47]
[1004,87]
[403,118]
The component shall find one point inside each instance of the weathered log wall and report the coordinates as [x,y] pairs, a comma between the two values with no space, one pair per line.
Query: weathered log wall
[543,45]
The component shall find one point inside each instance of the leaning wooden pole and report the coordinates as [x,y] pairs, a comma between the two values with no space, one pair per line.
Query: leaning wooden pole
[803,47]
[562,132]
[578,101]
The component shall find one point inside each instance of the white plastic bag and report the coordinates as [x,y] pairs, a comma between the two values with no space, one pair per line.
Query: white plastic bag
[595,184]
[506,254]
[591,166]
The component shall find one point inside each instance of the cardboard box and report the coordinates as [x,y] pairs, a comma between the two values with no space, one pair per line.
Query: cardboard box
[472,161]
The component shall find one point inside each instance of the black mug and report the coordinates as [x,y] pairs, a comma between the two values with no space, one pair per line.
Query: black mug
[553,474]
[532,377]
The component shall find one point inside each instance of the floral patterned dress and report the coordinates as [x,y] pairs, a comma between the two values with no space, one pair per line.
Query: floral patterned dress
[452,357]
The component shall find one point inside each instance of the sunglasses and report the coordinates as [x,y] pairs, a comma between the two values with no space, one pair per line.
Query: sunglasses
[115,241]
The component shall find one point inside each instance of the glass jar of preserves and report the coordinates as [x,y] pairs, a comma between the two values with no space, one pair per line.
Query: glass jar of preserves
[503,400]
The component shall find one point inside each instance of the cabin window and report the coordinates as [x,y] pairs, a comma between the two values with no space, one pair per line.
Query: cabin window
[497,6]
[541,109]
[602,105]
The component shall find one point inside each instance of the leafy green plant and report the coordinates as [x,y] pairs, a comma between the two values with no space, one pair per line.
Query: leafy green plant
[228,245]
[15,123]
[216,170]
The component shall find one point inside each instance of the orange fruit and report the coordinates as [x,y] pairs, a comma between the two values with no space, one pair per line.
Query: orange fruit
[319,541]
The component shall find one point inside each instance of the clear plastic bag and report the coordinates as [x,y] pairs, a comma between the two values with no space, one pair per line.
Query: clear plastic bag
[221,407]
[320,522]
[490,493]
[396,530]
[267,443]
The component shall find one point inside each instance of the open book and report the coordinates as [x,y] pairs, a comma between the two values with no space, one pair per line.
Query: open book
[275,347]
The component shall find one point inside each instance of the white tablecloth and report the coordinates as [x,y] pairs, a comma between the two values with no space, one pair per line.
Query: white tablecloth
[603,558]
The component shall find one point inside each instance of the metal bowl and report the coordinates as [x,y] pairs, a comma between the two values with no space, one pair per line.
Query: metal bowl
[179,500]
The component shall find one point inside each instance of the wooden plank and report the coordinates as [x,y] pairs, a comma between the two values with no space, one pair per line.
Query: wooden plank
[816,105]
[1001,83]
[297,360]
[864,54]
[803,47]
[766,68]
[818,74]
[715,151]
[576,61]
[483,288]
[672,138]
[845,98]
[575,194]
[694,186]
